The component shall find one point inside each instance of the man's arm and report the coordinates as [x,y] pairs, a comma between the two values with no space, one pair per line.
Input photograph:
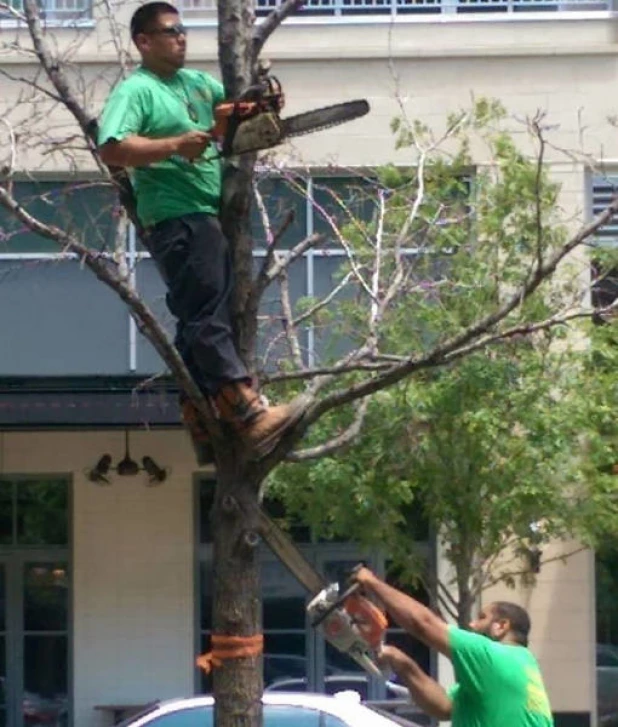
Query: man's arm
[138,151]
[408,613]
[425,691]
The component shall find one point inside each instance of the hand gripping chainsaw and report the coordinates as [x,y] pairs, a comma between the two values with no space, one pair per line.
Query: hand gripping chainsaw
[253,122]
[348,620]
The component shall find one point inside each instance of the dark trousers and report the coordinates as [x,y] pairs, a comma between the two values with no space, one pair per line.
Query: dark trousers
[194,260]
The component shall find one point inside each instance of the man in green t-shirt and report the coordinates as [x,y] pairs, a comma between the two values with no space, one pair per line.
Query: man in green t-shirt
[499,683]
[156,123]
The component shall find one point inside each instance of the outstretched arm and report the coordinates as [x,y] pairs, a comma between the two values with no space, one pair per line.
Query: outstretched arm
[408,613]
[425,691]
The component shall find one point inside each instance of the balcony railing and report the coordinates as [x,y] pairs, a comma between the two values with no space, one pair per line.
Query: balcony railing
[350,8]
[56,10]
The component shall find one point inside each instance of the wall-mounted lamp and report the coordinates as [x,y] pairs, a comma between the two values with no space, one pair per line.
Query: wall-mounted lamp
[127,467]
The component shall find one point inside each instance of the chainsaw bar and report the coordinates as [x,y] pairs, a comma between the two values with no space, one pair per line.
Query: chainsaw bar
[266,130]
[334,625]
[287,552]
[323,118]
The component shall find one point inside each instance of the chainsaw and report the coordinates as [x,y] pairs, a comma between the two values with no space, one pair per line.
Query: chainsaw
[253,122]
[349,621]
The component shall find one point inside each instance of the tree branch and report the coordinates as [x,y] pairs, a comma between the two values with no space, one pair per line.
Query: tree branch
[342,440]
[288,321]
[451,348]
[86,122]
[284,260]
[271,22]
[147,323]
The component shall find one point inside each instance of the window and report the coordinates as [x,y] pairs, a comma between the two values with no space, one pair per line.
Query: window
[34,512]
[84,209]
[206,9]
[35,597]
[604,271]
[58,10]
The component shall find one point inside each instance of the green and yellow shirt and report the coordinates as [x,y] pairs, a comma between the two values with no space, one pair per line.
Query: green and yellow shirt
[146,105]
[498,685]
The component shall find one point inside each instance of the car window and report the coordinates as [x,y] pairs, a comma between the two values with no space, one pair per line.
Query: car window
[191,717]
[283,716]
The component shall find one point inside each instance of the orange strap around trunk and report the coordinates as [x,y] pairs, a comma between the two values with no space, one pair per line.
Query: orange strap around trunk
[229,647]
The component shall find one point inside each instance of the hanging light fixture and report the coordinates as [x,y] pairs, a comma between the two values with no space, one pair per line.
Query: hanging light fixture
[126,467]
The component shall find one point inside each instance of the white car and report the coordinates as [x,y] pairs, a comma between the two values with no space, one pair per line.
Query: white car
[280,710]
[335,683]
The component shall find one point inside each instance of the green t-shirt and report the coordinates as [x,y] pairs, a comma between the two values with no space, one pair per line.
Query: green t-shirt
[146,105]
[498,685]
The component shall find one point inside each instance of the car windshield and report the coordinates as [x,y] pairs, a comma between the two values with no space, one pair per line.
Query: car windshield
[136,715]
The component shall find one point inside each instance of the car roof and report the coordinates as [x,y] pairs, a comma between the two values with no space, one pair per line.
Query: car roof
[346,707]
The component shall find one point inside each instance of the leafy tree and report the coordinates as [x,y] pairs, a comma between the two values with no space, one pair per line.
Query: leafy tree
[464,259]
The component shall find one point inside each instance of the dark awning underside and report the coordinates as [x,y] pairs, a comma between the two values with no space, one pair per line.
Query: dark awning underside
[86,403]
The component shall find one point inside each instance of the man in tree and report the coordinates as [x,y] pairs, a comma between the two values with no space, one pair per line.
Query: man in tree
[156,123]
[498,679]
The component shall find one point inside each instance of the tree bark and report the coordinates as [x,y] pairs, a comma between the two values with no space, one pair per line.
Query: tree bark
[238,683]
[239,70]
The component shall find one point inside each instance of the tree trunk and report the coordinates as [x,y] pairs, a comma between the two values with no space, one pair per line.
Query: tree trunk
[466,597]
[238,70]
[238,683]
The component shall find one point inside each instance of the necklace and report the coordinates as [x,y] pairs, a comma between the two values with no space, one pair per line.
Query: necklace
[184,98]
[191,110]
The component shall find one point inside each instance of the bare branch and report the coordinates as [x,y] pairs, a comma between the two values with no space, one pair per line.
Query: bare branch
[449,349]
[492,581]
[271,22]
[538,133]
[344,439]
[309,374]
[57,77]
[288,325]
[32,83]
[147,323]
[8,169]
[285,260]
[8,9]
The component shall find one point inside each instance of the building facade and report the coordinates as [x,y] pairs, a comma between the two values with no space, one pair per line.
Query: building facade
[106,584]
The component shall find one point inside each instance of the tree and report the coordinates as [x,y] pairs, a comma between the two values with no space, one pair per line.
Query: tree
[491,454]
[510,225]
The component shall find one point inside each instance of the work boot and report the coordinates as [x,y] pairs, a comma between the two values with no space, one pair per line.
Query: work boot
[197,429]
[260,426]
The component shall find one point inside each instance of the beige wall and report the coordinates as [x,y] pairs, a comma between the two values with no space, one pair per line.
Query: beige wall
[133,578]
[564,67]
[561,607]
[133,561]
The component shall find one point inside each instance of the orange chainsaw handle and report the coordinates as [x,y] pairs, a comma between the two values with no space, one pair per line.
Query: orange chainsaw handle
[223,112]
[368,618]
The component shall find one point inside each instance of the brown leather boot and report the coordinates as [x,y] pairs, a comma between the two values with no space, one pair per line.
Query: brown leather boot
[260,426]
[199,434]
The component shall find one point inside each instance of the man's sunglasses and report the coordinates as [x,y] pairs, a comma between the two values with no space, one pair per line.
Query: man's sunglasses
[172,31]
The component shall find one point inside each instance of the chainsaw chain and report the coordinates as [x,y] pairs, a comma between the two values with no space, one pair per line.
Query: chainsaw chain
[323,118]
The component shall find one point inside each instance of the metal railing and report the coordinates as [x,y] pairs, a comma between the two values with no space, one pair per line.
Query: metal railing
[56,10]
[350,8]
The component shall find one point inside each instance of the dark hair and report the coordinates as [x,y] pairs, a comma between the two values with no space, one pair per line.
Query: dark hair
[146,15]
[517,617]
